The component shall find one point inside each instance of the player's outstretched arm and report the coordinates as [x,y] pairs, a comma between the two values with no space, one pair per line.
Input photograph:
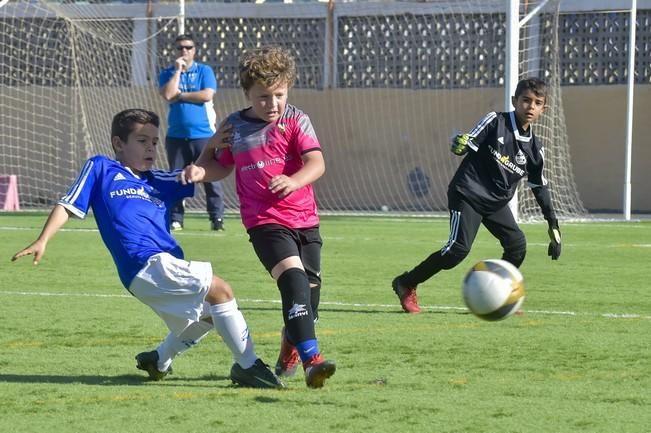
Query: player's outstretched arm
[222,139]
[209,171]
[214,171]
[459,144]
[191,174]
[58,217]
[206,168]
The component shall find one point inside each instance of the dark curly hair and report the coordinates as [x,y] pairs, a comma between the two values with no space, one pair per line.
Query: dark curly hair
[267,66]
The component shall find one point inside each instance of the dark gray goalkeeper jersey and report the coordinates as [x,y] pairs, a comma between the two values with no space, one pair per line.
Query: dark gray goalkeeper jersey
[499,156]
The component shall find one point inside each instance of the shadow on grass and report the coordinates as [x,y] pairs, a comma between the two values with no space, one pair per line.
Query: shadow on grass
[127,379]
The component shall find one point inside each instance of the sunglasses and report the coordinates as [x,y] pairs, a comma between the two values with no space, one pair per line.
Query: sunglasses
[185,47]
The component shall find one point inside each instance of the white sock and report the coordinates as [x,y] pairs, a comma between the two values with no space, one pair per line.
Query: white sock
[230,324]
[174,345]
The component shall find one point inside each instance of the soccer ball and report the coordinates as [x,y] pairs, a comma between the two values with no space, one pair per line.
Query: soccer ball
[493,289]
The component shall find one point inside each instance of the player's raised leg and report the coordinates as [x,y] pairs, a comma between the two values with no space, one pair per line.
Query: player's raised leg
[178,290]
[464,224]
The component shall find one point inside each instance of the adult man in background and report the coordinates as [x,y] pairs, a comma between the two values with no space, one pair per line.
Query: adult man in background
[189,87]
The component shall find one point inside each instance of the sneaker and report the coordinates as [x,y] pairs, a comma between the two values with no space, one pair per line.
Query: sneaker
[176,226]
[317,370]
[259,375]
[148,361]
[288,359]
[407,296]
[217,224]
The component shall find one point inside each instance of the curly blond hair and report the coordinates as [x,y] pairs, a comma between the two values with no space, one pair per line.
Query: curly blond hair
[267,66]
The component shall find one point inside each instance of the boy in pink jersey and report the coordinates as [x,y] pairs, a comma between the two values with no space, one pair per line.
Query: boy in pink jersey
[276,156]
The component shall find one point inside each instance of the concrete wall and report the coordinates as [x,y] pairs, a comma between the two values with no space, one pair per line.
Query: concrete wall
[596,127]
[368,152]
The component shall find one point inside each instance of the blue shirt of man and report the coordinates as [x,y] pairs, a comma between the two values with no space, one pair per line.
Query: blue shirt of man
[187,119]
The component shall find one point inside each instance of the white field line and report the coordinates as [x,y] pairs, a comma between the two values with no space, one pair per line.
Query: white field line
[335,304]
[361,306]
[190,233]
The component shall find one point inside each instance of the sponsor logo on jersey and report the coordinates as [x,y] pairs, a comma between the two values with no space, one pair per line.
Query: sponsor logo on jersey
[520,158]
[505,161]
[119,176]
[500,140]
[134,193]
[259,165]
[297,310]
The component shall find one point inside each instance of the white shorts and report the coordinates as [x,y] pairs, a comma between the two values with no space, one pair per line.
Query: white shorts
[175,289]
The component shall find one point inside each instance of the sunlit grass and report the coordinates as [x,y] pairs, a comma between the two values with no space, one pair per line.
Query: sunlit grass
[578,360]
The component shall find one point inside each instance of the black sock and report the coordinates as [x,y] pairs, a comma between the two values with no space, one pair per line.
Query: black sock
[295,293]
[315,297]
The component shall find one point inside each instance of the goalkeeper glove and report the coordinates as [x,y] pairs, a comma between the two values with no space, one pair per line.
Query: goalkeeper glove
[554,249]
[459,144]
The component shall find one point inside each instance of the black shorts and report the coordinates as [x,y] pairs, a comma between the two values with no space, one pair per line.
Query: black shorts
[273,243]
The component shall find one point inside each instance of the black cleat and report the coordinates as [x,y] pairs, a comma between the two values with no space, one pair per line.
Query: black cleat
[259,375]
[217,225]
[148,361]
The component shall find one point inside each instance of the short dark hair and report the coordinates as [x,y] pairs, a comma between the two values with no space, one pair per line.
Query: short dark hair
[184,37]
[536,85]
[123,122]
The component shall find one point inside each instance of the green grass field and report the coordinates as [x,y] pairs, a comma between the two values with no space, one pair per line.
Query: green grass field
[578,360]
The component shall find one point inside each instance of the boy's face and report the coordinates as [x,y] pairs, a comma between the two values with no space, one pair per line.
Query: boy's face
[139,151]
[268,103]
[528,107]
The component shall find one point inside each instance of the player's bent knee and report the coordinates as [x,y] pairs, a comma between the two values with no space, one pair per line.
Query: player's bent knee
[293,284]
[453,257]
[219,292]
[515,252]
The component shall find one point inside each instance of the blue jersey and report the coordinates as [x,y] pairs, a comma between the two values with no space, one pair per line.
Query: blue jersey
[131,211]
[190,119]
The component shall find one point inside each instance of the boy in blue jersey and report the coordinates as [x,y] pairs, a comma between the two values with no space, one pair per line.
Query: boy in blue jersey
[130,202]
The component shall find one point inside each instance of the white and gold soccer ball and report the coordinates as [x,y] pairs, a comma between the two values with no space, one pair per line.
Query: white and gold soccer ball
[493,289]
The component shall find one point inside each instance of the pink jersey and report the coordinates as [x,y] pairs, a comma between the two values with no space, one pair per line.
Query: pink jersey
[261,150]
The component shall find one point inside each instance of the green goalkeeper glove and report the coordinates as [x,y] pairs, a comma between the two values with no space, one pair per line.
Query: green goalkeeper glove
[554,249]
[459,144]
